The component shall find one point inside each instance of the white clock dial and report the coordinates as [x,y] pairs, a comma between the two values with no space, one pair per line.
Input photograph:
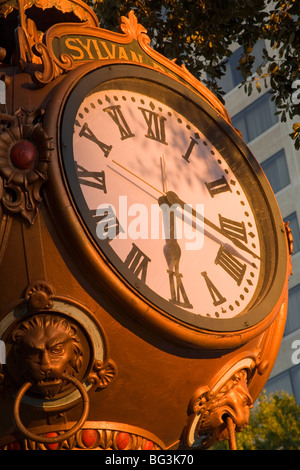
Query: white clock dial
[132,153]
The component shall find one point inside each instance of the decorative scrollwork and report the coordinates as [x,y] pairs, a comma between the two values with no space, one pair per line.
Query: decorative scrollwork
[27,35]
[25,153]
[93,435]
[82,11]
[232,399]
[52,67]
[38,296]
[131,27]
[102,374]
[209,408]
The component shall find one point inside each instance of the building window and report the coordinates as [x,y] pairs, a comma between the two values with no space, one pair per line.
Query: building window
[256,118]
[276,171]
[293,223]
[293,316]
[233,76]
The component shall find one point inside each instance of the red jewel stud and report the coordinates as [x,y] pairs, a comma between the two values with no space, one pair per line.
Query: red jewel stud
[148,445]
[53,446]
[23,154]
[122,440]
[89,437]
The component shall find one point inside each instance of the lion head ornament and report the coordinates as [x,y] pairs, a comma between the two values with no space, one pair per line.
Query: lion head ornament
[44,347]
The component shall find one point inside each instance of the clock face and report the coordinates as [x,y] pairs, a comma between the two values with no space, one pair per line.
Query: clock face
[166,200]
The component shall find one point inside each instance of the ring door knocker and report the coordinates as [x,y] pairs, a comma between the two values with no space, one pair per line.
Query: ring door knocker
[63,436]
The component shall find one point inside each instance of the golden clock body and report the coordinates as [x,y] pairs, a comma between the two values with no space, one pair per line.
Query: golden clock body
[157,374]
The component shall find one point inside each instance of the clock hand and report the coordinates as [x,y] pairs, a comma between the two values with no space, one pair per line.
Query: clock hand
[138,177]
[172,198]
[172,249]
[168,227]
[172,254]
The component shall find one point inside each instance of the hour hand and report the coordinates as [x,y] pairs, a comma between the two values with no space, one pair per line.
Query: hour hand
[172,249]
[172,254]
[172,198]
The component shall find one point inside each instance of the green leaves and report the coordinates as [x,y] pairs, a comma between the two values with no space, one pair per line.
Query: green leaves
[295,135]
[200,34]
[274,425]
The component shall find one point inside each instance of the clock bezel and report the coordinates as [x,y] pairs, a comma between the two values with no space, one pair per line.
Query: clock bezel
[230,332]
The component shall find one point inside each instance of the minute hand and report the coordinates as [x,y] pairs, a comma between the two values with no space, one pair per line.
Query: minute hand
[172,198]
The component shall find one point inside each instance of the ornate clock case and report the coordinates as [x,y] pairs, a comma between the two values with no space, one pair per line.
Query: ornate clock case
[98,355]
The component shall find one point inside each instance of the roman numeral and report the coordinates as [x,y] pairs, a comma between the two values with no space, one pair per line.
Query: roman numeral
[218,186]
[217,298]
[231,265]
[117,116]
[137,262]
[88,134]
[192,144]
[155,126]
[178,293]
[94,179]
[233,229]
[108,226]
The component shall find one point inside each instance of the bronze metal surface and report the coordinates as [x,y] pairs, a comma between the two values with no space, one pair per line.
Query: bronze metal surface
[75,332]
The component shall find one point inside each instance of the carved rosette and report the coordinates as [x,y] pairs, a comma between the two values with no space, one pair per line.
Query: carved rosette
[25,152]
[102,374]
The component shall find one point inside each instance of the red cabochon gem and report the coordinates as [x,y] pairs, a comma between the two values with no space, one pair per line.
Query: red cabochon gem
[23,154]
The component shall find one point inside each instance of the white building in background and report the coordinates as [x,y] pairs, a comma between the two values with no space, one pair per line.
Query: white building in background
[269,141]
